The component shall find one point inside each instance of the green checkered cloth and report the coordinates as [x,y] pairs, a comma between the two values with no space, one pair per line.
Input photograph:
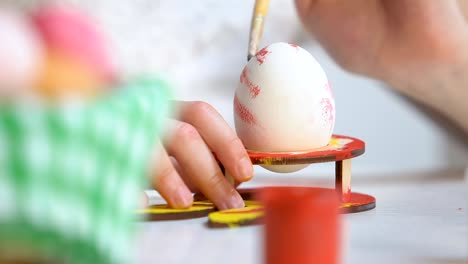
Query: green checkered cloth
[70,176]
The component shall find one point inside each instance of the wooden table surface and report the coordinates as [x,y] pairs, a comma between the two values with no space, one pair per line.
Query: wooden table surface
[420,218]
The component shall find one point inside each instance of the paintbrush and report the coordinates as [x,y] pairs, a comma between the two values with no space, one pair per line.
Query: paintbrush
[256,26]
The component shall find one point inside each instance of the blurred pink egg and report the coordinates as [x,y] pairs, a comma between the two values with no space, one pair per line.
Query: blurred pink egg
[20,53]
[69,31]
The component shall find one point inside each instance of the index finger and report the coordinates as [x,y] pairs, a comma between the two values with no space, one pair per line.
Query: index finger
[219,136]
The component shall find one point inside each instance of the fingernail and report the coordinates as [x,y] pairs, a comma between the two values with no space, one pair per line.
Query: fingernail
[235,201]
[245,168]
[183,198]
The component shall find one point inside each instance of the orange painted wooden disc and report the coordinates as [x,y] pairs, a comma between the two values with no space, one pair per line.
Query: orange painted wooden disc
[339,148]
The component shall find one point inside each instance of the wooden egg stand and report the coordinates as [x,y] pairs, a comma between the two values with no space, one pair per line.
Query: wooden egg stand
[341,150]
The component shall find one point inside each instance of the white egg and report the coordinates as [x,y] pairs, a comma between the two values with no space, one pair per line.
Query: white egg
[284,103]
[20,53]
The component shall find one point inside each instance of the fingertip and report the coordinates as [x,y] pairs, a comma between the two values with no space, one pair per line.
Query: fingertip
[240,203]
[304,8]
[244,169]
[233,201]
[237,202]
[305,4]
[182,198]
[302,4]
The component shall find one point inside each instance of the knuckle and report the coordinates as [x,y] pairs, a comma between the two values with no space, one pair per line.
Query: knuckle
[185,131]
[235,142]
[232,192]
[163,176]
[202,108]
[216,181]
[237,147]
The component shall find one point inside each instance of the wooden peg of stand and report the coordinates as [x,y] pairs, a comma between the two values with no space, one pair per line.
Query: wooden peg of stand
[343,179]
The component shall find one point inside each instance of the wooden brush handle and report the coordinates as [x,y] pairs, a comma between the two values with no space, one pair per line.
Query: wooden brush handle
[256,26]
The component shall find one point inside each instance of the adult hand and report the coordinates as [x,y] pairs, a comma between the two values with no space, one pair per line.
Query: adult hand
[418,47]
[186,161]
[392,40]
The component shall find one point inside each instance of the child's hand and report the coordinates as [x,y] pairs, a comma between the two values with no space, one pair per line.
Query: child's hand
[187,163]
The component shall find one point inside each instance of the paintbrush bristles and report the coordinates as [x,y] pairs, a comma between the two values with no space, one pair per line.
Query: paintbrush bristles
[255,35]
[256,26]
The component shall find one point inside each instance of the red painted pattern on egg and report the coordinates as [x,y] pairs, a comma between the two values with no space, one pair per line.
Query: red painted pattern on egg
[261,55]
[327,110]
[254,90]
[243,112]
[294,46]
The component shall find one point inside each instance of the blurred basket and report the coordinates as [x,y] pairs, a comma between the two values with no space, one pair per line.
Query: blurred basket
[70,177]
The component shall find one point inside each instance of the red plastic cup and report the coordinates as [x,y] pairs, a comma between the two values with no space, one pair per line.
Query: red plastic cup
[302,225]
